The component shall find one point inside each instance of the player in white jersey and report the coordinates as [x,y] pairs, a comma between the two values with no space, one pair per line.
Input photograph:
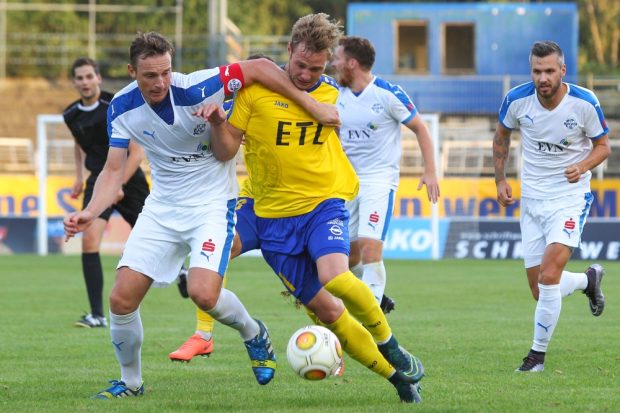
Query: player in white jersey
[179,121]
[564,136]
[372,112]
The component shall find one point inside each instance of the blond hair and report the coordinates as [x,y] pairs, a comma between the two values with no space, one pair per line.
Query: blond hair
[317,32]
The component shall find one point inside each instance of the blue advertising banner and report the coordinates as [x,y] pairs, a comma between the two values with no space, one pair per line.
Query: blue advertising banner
[412,238]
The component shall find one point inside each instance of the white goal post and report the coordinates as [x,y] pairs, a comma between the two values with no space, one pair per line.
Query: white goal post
[42,139]
[45,122]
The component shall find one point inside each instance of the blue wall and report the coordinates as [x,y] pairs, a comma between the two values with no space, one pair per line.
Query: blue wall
[504,34]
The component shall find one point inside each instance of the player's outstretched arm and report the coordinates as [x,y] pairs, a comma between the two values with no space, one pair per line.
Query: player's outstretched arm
[269,74]
[134,158]
[501,147]
[106,189]
[109,181]
[429,178]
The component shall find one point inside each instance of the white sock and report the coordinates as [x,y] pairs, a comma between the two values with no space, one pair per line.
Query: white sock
[230,311]
[358,270]
[573,281]
[546,315]
[127,336]
[374,276]
[206,335]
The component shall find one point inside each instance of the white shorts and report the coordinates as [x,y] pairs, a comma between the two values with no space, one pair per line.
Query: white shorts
[558,220]
[165,234]
[370,212]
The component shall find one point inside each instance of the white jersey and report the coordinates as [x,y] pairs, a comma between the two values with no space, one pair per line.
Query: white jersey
[184,170]
[553,139]
[370,131]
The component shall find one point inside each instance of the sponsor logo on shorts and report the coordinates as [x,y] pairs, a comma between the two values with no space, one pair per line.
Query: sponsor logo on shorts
[337,231]
[208,247]
[240,203]
[373,220]
[569,227]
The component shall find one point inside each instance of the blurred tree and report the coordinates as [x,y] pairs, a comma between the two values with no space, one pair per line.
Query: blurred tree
[266,17]
[600,29]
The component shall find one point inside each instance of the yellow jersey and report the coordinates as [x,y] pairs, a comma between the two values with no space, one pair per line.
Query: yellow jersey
[245,190]
[294,162]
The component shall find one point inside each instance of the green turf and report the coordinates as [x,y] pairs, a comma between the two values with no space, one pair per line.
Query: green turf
[469,321]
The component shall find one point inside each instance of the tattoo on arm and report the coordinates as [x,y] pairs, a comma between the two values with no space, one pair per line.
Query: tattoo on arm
[501,146]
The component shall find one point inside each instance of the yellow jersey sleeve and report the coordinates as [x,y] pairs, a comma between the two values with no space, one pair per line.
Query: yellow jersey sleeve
[294,162]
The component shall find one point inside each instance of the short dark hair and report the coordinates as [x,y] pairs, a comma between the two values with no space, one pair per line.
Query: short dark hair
[147,45]
[545,48]
[84,61]
[359,49]
[259,56]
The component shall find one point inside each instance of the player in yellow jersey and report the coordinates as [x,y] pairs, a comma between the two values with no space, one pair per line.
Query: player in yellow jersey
[300,181]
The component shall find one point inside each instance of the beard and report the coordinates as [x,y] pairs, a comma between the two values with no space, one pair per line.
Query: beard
[552,89]
[345,78]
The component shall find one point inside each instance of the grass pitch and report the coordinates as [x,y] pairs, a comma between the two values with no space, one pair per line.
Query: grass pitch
[469,321]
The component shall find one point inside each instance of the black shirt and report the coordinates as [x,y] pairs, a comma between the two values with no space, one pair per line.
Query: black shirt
[90,130]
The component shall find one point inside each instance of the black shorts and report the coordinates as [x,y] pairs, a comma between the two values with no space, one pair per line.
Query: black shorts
[136,191]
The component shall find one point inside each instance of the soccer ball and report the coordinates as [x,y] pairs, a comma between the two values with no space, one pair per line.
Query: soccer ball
[314,353]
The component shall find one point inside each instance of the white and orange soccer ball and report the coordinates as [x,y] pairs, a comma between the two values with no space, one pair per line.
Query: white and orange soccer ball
[314,353]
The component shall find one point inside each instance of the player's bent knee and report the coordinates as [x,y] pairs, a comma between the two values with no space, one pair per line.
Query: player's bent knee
[122,305]
[205,300]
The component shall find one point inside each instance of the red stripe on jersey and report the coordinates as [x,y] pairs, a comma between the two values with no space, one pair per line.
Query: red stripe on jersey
[232,78]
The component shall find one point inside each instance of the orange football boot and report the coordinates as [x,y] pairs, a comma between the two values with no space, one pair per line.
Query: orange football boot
[194,346]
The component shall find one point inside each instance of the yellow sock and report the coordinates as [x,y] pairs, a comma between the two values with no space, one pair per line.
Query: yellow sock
[357,342]
[313,317]
[360,301]
[204,322]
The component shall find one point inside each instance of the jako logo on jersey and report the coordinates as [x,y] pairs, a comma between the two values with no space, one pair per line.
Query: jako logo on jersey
[570,123]
[233,85]
[147,133]
[208,247]
[569,227]
[199,129]
[202,91]
[281,104]
[377,108]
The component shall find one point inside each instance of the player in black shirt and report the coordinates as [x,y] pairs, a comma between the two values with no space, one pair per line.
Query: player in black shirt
[86,118]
